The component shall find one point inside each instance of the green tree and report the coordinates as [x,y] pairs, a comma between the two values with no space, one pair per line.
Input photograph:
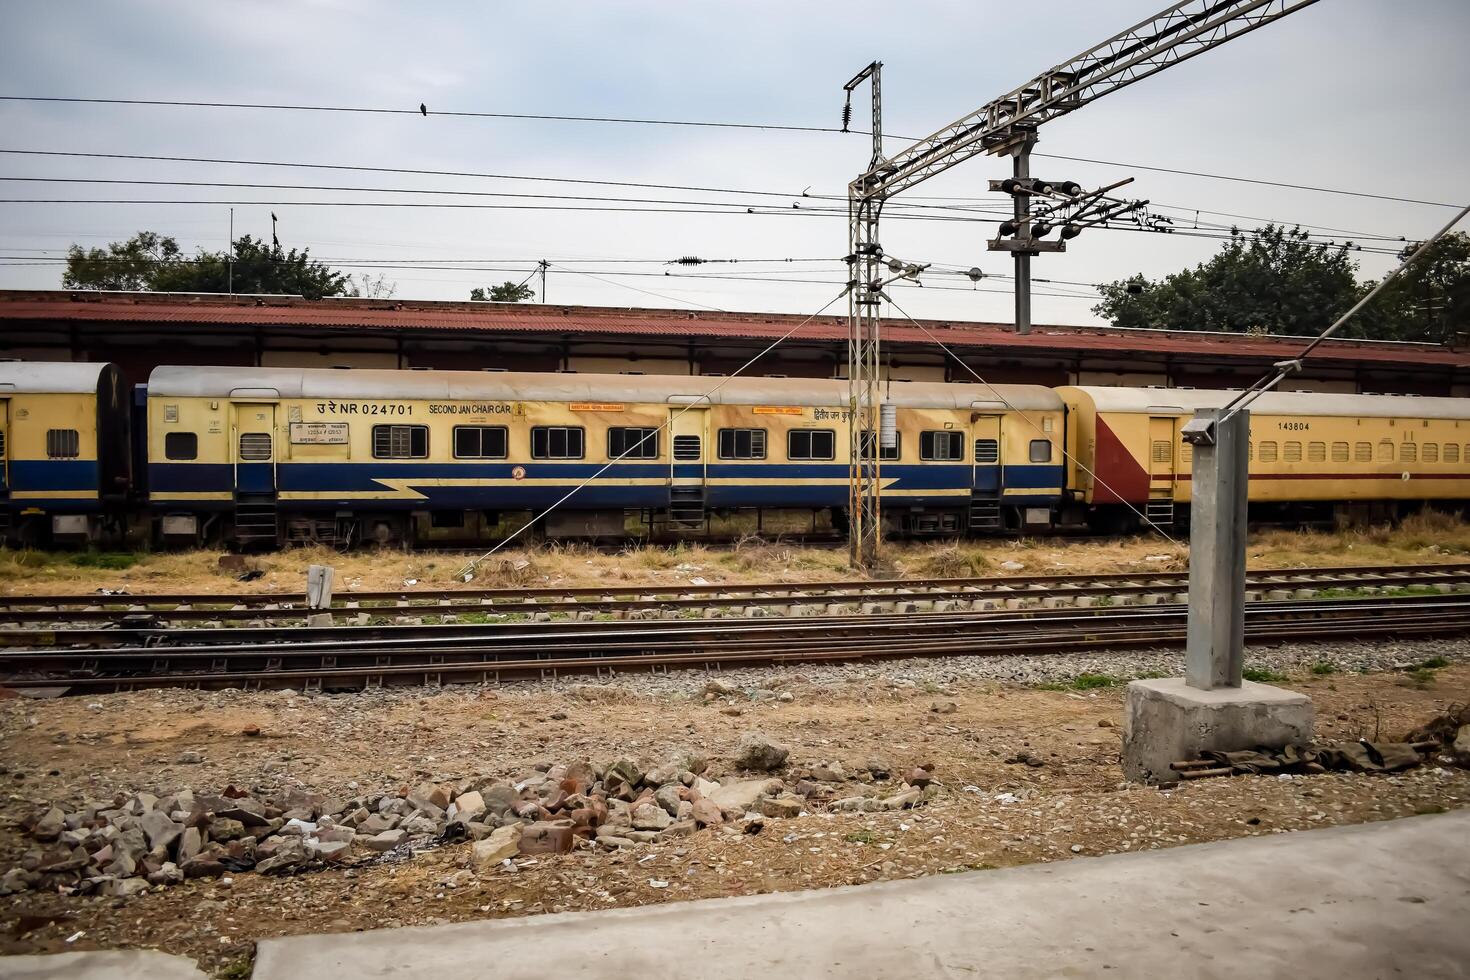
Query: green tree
[1274,279]
[122,265]
[506,292]
[152,261]
[1430,301]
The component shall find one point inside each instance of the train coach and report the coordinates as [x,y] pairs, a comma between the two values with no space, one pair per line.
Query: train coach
[65,463]
[264,455]
[1313,457]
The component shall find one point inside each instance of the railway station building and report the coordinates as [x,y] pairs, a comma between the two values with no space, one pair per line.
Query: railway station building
[140,331]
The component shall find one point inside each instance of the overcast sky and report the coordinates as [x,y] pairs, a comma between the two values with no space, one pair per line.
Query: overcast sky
[1357,94]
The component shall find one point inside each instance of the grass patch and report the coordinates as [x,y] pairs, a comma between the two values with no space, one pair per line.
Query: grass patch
[1433,663]
[1322,668]
[1420,677]
[1082,682]
[861,837]
[1261,675]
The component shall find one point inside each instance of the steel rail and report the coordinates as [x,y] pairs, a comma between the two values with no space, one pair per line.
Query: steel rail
[678,589]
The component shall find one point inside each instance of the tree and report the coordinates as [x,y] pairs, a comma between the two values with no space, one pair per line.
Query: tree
[506,292]
[154,262]
[1274,279]
[370,288]
[1430,301]
[123,265]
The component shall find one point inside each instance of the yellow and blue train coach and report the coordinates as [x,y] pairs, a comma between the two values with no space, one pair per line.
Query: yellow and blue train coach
[1313,456]
[64,452]
[325,453]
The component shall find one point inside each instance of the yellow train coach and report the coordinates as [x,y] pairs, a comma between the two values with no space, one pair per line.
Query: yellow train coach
[64,452]
[261,453]
[1312,456]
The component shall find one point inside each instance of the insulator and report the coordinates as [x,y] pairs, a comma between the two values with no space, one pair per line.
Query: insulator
[1009,185]
[1068,187]
[975,274]
[888,425]
[1135,288]
[690,260]
[894,265]
[1040,229]
[846,115]
[1071,231]
[1008,228]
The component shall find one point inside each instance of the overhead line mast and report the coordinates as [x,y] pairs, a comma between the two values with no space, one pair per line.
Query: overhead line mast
[1004,126]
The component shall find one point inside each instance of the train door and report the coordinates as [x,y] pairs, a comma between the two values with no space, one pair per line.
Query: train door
[1163,454]
[986,483]
[253,453]
[4,467]
[689,446]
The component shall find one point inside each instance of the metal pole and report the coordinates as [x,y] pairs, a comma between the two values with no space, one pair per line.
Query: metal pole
[1215,645]
[1021,161]
[230,255]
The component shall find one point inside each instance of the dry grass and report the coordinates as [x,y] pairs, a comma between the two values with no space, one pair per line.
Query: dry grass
[1427,537]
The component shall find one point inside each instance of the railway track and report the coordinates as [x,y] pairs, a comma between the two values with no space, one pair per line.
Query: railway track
[355,658]
[66,612]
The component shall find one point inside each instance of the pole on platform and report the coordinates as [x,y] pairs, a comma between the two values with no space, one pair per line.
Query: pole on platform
[1215,646]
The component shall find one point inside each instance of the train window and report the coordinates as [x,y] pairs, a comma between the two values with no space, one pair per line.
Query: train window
[885,453]
[63,444]
[742,443]
[1041,450]
[1452,452]
[1340,452]
[941,445]
[400,441]
[811,444]
[1363,452]
[1316,452]
[480,441]
[1409,453]
[1291,452]
[987,451]
[1385,451]
[1430,453]
[180,445]
[1269,450]
[255,446]
[556,442]
[624,442]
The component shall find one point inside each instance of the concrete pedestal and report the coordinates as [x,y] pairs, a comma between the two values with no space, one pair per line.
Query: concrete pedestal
[1167,721]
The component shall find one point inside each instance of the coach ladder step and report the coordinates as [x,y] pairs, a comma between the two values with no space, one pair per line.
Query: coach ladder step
[1159,513]
[256,519]
[686,507]
[985,512]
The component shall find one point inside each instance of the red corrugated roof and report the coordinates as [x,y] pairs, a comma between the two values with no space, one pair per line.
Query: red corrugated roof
[67,307]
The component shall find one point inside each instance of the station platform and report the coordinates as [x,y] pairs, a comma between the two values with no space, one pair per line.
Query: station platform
[1374,900]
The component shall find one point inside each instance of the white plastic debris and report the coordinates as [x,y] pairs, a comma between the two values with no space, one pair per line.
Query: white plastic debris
[1004,798]
[657,883]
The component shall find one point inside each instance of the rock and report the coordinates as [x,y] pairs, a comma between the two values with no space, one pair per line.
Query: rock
[468,806]
[679,828]
[786,696]
[377,823]
[743,794]
[123,888]
[14,881]
[759,753]
[249,812]
[829,772]
[1461,745]
[59,857]
[784,805]
[624,772]
[49,825]
[544,837]
[203,865]
[877,770]
[190,758]
[420,823]
[169,874]
[1104,723]
[902,801]
[190,843]
[329,851]
[429,797]
[613,842]
[944,707]
[920,778]
[668,797]
[692,761]
[386,841]
[290,853]
[503,842]
[499,797]
[226,828]
[732,711]
[159,829]
[336,835]
[1012,566]
[857,804]
[706,813]
[718,688]
[650,816]
[663,775]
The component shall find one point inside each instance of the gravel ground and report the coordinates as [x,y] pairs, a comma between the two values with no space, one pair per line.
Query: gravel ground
[1029,770]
